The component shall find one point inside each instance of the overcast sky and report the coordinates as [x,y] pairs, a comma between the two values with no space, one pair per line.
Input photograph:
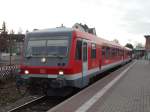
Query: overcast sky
[125,20]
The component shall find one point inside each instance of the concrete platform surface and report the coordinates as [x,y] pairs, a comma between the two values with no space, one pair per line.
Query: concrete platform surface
[125,90]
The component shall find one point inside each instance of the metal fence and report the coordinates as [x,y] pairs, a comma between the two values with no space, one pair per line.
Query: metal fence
[7,72]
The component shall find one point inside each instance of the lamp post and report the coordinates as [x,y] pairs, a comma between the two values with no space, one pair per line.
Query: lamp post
[10,49]
[0,49]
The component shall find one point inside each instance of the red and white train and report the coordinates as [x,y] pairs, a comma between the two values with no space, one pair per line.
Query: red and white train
[62,58]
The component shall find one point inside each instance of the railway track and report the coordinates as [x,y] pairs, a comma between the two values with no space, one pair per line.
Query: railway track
[44,103]
[40,104]
[27,104]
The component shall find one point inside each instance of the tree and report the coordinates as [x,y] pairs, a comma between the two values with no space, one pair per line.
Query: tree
[129,45]
[116,41]
[3,30]
[27,31]
[4,38]
[20,31]
[12,31]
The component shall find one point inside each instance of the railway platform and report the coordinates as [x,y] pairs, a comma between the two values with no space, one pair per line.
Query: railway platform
[125,90]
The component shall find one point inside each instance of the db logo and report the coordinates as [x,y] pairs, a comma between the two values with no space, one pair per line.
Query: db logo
[42,71]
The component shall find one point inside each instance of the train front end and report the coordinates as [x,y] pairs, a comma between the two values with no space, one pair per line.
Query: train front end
[46,60]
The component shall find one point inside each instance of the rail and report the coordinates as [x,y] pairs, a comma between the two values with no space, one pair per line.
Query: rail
[27,104]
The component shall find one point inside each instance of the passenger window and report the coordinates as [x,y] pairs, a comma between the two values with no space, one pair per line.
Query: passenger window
[113,52]
[93,51]
[103,51]
[79,50]
[107,52]
[116,52]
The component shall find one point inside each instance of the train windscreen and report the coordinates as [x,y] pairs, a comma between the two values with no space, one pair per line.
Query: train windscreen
[47,47]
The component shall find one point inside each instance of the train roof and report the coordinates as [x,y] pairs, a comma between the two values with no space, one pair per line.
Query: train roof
[92,37]
[99,40]
[108,43]
[50,30]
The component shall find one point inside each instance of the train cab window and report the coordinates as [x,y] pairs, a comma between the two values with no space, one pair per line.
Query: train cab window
[93,51]
[79,50]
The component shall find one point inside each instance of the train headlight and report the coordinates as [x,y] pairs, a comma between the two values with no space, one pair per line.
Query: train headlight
[61,73]
[43,60]
[26,72]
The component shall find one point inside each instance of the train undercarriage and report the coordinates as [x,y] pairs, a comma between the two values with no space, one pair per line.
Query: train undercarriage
[49,87]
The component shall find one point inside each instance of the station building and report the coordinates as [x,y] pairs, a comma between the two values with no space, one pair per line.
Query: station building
[139,52]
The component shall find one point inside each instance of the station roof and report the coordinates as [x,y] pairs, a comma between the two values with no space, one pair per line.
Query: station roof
[140,49]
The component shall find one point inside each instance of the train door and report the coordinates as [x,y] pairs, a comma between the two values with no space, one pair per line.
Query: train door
[84,63]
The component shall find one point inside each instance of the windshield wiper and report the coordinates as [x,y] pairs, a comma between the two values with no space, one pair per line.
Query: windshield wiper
[28,56]
[56,55]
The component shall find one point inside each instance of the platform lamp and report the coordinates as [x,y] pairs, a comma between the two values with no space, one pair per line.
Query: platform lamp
[0,34]
[10,49]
